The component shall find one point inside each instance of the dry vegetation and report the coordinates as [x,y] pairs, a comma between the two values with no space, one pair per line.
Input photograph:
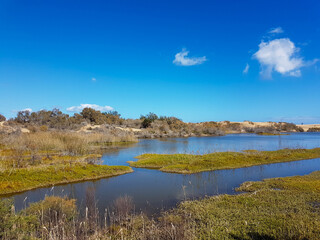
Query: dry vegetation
[148,126]
[314,129]
[19,150]
[45,158]
[281,208]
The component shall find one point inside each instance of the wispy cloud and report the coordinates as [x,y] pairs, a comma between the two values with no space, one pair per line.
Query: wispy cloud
[93,79]
[246,69]
[94,106]
[182,59]
[276,30]
[280,55]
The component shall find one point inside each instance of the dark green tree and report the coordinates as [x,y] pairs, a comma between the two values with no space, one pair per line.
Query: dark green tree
[148,119]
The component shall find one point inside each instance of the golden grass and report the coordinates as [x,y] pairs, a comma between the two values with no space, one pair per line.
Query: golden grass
[23,150]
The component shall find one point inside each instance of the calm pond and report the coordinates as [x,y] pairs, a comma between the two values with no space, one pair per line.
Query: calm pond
[153,190]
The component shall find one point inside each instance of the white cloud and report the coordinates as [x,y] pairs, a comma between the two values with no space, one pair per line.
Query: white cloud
[182,59]
[280,55]
[246,69]
[27,109]
[276,30]
[93,79]
[94,106]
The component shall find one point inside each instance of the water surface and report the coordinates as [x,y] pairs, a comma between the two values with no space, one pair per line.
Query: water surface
[153,190]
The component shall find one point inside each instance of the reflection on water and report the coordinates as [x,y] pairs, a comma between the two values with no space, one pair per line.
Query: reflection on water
[153,190]
[201,145]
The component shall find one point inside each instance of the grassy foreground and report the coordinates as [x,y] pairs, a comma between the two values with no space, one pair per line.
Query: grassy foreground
[23,179]
[189,163]
[281,208]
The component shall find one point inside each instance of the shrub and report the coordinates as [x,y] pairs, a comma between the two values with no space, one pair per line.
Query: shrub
[2,118]
[148,119]
[315,129]
[94,116]
[43,128]
[23,117]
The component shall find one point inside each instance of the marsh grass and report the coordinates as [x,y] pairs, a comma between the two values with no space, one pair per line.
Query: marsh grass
[44,159]
[68,143]
[265,214]
[18,180]
[32,149]
[189,163]
[307,183]
[290,212]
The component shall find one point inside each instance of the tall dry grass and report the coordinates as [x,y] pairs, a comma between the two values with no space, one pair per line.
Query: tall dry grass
[23,149]
[57,218]
[71,143]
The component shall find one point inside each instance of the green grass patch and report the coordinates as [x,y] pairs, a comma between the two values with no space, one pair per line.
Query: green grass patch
[307,183]
[290,212]
[18,180]
[189,163]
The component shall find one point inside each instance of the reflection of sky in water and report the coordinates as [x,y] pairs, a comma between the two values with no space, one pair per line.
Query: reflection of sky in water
[201,145]
[153,190]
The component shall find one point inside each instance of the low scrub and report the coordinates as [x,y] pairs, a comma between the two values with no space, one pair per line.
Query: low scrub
[315,129]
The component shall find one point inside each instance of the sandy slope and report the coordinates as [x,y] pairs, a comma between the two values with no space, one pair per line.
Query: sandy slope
[130,129]
[89,127]
[305,127]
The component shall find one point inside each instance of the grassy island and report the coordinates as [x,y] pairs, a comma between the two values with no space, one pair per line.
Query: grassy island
[189,163]
[23,179]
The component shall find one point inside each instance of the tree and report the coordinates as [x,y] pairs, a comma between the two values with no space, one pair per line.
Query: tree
[23,117]
[112,117]
[112,113]
[93,116]
[2,118]
[148,119]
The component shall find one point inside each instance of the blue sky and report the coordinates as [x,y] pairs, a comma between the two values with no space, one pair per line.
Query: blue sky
[181,58]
